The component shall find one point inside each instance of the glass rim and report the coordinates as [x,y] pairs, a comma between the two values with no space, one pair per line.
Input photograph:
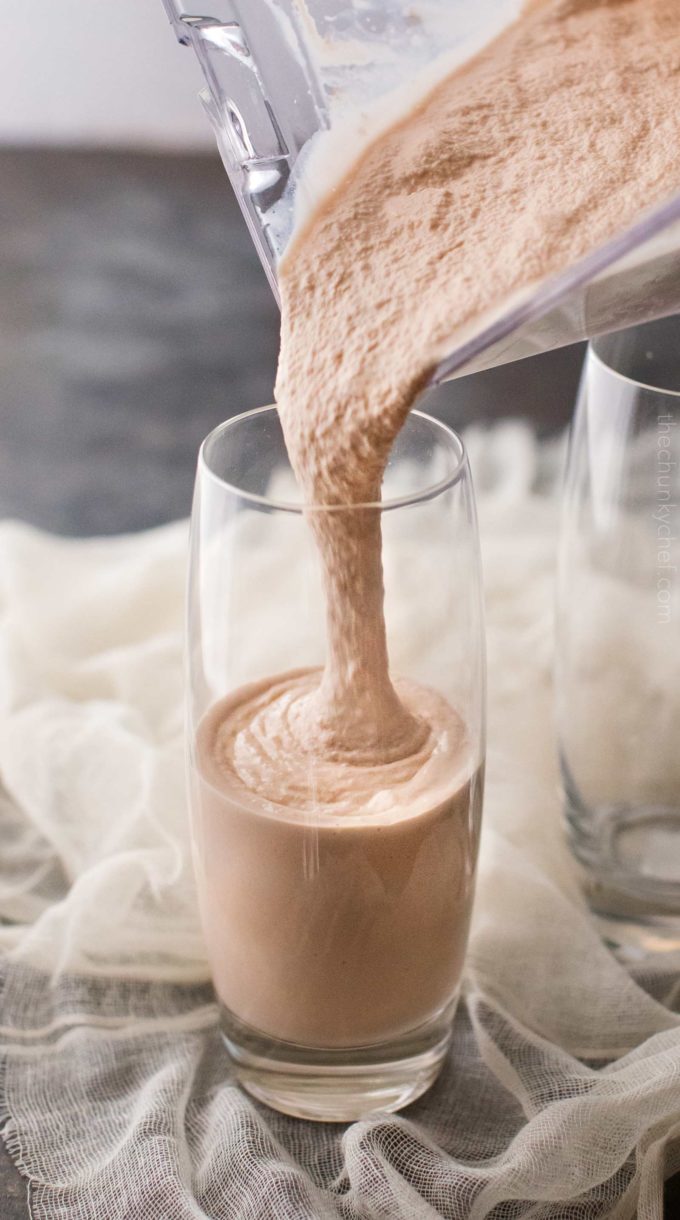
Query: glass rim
[632,381]
[425,494]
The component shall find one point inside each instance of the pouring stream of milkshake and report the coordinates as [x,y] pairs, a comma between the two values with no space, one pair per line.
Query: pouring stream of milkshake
[512,169]
[556,136]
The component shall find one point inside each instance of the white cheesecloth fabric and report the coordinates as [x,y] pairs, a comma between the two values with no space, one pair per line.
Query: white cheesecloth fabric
[560,1098]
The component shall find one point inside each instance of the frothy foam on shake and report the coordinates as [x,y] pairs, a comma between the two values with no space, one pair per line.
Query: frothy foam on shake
[262,746]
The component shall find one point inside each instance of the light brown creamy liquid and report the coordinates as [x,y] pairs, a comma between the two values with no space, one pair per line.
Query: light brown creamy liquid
[336,917]
[549,142]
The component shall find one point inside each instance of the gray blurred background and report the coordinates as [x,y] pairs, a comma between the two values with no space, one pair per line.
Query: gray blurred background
[134,314]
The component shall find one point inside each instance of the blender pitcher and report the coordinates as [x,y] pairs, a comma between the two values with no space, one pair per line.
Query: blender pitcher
[281,73]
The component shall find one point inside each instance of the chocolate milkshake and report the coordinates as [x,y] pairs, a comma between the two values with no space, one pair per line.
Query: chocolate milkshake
[336,897]
[365,786]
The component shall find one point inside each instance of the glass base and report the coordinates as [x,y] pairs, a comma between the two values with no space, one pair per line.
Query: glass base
[630,870]
[633,940]
[339,1085]
[632,926]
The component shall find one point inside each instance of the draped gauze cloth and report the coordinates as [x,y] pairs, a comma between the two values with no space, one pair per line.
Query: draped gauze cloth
[561,1094]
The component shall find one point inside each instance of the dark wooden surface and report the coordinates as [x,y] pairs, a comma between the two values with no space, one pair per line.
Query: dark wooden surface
[134,316]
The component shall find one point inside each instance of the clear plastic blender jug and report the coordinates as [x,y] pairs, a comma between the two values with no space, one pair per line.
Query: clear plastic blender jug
[282,73]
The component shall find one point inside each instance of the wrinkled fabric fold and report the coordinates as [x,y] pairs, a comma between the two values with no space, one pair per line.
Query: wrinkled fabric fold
[559,1097]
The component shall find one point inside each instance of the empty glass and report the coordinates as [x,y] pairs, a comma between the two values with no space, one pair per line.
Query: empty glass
[618,670]
[336,936]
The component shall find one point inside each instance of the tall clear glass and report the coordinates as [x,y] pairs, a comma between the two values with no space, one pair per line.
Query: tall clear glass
[618,671]
[336,941]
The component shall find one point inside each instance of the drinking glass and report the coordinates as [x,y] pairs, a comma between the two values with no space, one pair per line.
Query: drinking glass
[336,943]
[618,655]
